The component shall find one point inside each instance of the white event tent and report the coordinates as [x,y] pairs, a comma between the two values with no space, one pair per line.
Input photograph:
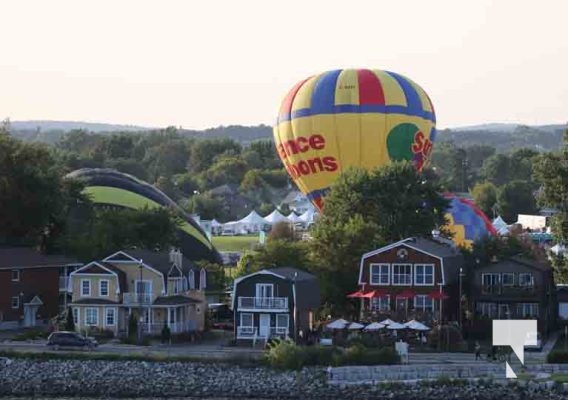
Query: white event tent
[274,217]
[293,217]
[500,226]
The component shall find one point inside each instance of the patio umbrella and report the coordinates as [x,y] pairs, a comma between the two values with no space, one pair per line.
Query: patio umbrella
[406,294]
[375,326]
[396,326]
[359,294]
[387,322]
[435,295]
[417,326]
[374,294]
[337,324]
[355,325]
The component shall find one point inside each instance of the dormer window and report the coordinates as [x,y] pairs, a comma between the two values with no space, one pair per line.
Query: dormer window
[202,279]
[191,280]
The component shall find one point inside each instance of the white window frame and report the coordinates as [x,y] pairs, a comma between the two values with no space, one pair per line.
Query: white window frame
[528,306]
[17,278]
[101,288]
[531,280]
[423,307]
[287,320]
[424,274]
[393,267]
[380,274]
[16,304]
[149,286]
[377,303]
[251,320]
[191,280]
[113,309]
[76,315]
[259,290]
[497,274]
[202,279]
[503,280]
[82,287]
[488,306]
[87,310]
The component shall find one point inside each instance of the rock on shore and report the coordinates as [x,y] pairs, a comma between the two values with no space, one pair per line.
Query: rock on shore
[74,378]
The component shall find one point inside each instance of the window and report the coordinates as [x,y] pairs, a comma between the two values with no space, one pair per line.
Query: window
[526,280]
[76,315]
[527,310]
[202,279]
[380,274]
[423,303]
[15,275]
[191,280]
[380,303]
[110,316]
[424,275]
[103,287]
[144,287]
[491,283]
[402,274]
[563,310]
[85,287]
[246,320]
[488,310]
[91,316]
[508,279]
[15,302]
[282,321]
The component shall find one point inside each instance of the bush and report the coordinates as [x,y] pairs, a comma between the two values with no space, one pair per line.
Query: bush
[30,335]
[557,357]
[360,355]
[285,355]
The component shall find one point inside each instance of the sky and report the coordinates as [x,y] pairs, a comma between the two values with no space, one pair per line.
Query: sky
[199,64]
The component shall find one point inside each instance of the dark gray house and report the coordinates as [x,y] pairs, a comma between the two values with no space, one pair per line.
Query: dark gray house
[514,288]
[276,302]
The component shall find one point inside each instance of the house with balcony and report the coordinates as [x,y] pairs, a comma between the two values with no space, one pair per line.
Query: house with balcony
[158,288]
[415,278]
[274,303]
[513,288]
[32,286]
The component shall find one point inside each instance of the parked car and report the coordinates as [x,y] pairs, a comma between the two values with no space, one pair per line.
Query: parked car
[221,316]
[70,339]
[531,339]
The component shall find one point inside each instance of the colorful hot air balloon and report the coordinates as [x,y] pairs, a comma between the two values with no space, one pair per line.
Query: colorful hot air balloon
[467,222]
[112,188]
[352,117]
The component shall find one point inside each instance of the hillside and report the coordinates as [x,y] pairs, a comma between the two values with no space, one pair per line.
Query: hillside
[503,137]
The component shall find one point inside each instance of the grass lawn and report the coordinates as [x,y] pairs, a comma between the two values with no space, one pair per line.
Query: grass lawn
[234,243]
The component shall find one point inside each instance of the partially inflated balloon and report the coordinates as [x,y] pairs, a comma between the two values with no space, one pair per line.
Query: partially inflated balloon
[467,222]
[351,118]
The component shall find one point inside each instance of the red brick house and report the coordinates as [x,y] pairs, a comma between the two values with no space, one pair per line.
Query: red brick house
[33,286]
[412,278]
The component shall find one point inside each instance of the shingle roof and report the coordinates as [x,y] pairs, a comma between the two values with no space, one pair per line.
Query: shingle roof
[27,257]
[173,300]
[159,260]
[288,273]
[94,301]
[433,246]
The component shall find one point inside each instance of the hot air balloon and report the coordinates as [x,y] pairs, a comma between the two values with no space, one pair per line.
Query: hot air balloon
[351,118]
[467,222]
[107,187]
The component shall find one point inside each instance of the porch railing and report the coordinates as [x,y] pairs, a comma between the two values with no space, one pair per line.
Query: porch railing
[263,303]
[513,291]
[156,328]
[246,331]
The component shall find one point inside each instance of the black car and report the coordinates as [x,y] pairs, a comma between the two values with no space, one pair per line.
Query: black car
[70,339]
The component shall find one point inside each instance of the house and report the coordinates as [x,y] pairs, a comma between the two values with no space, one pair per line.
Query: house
[297,202]
[276,302]
[412,278]
[513,288]
[33,286]
[159,288]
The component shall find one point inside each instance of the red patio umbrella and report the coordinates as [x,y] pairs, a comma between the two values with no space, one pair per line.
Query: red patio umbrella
[435,295]
[375,294]
[406,294]
[359,294]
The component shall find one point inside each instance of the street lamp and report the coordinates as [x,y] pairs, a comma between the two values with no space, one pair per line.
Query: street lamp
[138,289]
[460,304]
[294,311]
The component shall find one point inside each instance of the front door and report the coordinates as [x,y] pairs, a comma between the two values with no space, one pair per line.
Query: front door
[30,315]
[264,325]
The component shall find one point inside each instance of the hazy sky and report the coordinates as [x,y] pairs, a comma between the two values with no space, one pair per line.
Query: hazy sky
[199,64]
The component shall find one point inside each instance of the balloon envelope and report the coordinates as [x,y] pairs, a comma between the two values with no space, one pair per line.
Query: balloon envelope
[351,118]
[107,187]
[467,222]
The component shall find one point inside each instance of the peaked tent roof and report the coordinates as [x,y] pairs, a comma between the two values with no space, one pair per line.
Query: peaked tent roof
[252,218]
[215,223]
[293,217]
[308,216]
[499,223]
[275,217]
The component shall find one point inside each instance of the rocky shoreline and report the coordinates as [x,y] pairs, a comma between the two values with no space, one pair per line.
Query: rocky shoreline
[135,379]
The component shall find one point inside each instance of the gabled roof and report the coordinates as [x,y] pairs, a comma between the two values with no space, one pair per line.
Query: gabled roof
[159,260]
[174,300]
[288,273]
[94,267]
[534,264]
[28,257]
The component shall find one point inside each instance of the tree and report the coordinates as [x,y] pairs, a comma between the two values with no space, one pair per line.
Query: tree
[365,210]
[485,197]
[5,127]
[496,169]
[516,197]
[282,231]
[70,320]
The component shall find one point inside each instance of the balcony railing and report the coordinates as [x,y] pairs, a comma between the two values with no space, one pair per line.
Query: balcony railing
[177,327]
[279,332]
[245,332]
[137,298]
[263,303]
[509,291]
[63,283]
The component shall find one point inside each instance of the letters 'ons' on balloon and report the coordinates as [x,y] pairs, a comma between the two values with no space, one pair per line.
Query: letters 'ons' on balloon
[351,118]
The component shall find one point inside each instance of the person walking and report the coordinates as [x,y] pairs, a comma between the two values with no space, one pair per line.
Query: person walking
[477,351]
